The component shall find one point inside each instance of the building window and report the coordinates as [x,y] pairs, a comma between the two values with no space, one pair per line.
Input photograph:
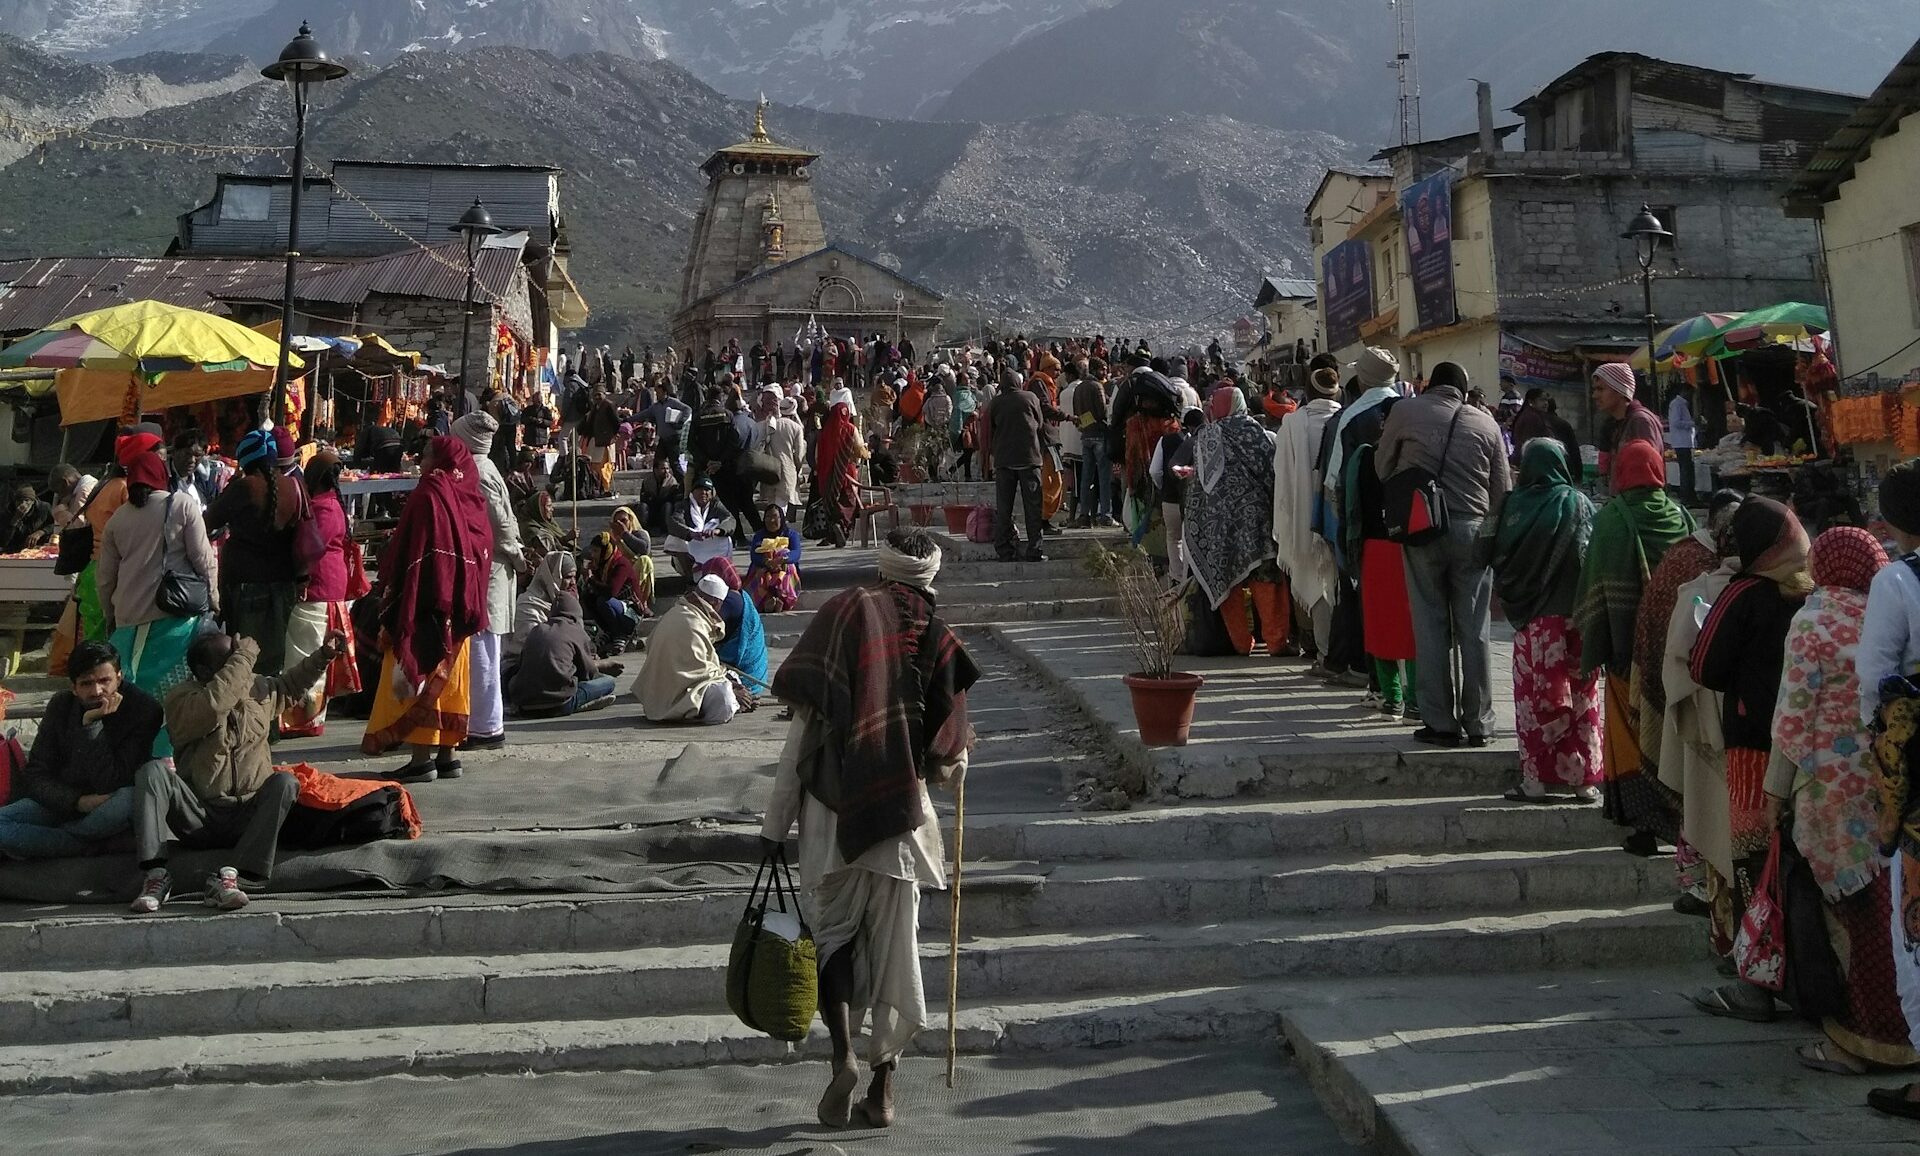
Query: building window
[245,202]
[1670,217]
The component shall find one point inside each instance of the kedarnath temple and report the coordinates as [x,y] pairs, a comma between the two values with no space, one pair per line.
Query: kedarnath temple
[760,266]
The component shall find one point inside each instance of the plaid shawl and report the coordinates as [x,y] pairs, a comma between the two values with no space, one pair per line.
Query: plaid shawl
[890,680]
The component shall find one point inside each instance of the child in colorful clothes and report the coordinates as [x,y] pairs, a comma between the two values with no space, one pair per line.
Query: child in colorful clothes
[1890,649]
[773,567]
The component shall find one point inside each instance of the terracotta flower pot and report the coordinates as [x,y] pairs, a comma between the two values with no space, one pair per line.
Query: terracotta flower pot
[922,513]
[957,518]
[1163,707]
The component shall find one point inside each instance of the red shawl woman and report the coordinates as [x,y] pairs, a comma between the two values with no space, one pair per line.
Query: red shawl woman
[433,598]
[838,481]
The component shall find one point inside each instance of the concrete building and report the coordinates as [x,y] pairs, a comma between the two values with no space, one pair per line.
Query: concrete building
[1858,189]
[1292,309]
[1543,286]
[1344,198]
[760,266]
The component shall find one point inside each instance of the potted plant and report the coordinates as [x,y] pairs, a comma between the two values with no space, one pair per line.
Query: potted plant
[1163,698]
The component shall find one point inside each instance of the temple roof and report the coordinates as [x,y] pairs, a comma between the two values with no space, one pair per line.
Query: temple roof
[760,146]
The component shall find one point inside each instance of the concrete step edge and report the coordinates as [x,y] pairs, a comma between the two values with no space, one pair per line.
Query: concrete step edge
[1214,1015]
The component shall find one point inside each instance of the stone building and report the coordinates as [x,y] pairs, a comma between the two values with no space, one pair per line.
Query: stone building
[760,266]
[1544,287]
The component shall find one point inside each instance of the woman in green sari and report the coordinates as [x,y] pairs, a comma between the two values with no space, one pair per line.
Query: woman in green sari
[1630,536]
[1538,554]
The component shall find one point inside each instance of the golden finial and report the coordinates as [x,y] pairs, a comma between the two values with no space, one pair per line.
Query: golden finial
[760,122]
[773,204]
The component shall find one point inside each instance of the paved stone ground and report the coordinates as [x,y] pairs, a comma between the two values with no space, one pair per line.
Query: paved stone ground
[1577,1065]
[1080,1104]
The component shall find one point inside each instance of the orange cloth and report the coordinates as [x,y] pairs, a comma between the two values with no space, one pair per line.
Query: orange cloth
[1271,602]
[324,792]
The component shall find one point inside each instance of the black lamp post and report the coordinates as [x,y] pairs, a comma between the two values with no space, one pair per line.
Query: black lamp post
[1647,233]
[302,62]
[476,225]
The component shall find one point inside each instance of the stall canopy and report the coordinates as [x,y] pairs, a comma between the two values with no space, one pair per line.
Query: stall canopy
[146,355]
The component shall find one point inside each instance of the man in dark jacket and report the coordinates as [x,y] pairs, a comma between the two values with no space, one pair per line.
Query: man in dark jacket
[1014,417]
[558,674]
[77,790]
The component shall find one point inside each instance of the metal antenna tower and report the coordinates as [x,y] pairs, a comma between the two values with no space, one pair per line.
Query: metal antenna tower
[1406,64]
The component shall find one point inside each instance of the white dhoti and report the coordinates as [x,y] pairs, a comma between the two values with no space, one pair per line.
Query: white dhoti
[871,904]
[879,917]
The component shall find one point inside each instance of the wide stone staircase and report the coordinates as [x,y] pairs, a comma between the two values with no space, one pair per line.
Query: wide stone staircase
[1162,924]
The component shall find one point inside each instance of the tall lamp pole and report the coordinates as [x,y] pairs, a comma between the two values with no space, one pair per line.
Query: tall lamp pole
[1647,233]
[476,225]
[302,62]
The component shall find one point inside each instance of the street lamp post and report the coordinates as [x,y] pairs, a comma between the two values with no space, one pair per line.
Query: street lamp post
[476,225]
[1646,232]
[302,62]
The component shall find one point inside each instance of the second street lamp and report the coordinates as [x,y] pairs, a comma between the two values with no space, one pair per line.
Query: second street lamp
[302,62]
[1647,234]
[476,225]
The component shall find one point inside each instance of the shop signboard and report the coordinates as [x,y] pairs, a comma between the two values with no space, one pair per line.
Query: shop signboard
[1533,365]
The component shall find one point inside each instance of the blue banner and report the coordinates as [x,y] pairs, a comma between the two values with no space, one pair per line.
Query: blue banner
[1346,273]
[1426,213]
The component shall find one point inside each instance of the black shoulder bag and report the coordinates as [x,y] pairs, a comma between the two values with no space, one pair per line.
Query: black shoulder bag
[1416,506]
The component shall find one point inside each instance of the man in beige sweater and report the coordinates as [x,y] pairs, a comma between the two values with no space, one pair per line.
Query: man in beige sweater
[225,792]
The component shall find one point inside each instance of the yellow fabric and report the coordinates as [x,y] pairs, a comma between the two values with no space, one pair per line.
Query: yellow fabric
[140,329]
[441,723]
[99,394]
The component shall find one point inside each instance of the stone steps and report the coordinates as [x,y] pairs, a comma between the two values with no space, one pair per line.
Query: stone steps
[61,1008]
[1245,1014]
[1001,898]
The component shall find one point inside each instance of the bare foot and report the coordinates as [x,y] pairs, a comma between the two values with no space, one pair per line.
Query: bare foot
[876,1111]
[836,1106]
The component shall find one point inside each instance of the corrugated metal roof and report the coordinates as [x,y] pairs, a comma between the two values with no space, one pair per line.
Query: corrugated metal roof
[1833,163]
[37,292]
[1284,289]
[439,274]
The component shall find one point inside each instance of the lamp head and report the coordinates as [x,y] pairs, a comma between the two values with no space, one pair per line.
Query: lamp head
[476,222]
[1647,234]
[303,61]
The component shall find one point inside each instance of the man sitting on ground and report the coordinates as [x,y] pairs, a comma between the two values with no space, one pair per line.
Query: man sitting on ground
[76,790]
[558,674]
[683,680]
[226,792]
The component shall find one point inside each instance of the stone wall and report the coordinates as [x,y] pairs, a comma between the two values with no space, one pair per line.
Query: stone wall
[1556,239]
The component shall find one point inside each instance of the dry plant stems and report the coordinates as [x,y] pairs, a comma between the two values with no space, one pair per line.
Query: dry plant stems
[1150,610]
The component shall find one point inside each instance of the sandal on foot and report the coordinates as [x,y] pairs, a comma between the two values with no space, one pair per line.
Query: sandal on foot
[1687,903]
[1520,795]
[1894,1102]
[1819,1057]
[448,768]
[1714,1002]
[415,773]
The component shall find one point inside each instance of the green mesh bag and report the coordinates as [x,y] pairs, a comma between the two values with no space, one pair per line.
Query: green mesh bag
[773,979]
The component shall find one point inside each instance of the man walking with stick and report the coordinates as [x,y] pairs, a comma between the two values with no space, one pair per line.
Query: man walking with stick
[878,685]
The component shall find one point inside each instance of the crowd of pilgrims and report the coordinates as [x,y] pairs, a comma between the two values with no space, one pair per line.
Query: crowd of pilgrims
[1715,677]
[1730,681]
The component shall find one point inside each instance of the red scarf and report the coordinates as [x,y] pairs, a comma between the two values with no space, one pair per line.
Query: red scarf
[434,571]
[835,455]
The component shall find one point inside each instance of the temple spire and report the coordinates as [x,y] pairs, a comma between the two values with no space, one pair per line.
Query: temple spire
[760,122]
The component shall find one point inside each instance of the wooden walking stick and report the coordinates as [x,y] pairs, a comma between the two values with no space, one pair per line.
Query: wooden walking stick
[953,929]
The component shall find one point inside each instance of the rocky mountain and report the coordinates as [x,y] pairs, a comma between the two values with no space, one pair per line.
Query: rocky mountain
[40,93]
[880,57]
[1292,63]
[1139,223]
